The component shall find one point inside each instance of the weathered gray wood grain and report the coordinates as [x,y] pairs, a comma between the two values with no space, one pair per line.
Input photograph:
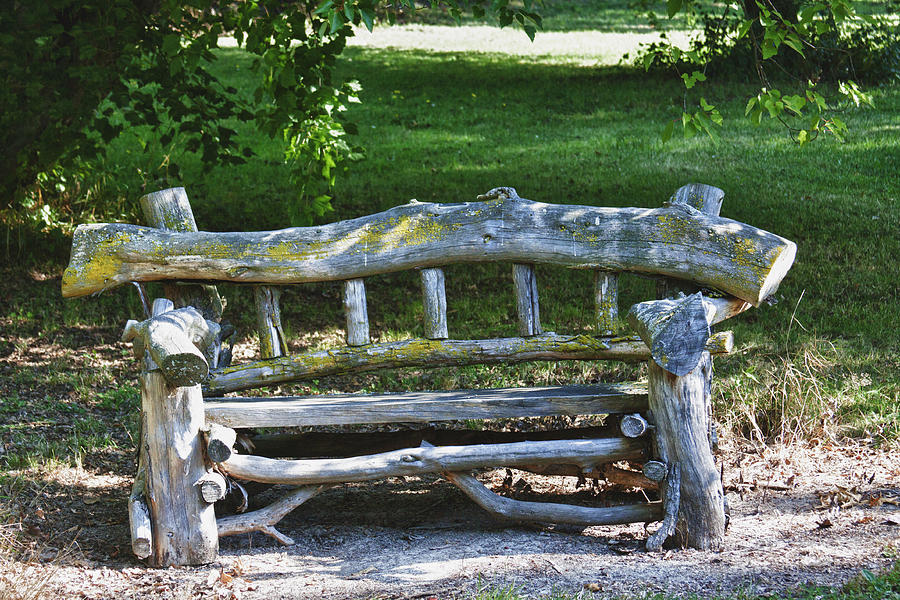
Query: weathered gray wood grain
[317,444]
[427,353]
[264,519]
[434,301]
[356,312]
[170,210]
[184,526]
[719,309]
[606,302]
[654,470]
[139,514]
[425,407]
[627,478]
[416,461]
[674,241]
[527,306]
[551,512]
[695,196]
[721,342]
[680,406]
[672,503]
[176,341]
[272,341]
[699,196]
[213,487]
[422,353]
[633,425]
[220,442]
[675,330]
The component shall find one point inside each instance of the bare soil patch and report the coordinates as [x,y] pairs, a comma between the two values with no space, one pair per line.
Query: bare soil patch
[800,515]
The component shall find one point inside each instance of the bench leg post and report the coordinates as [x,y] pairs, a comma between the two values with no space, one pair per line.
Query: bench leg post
[183,525]
[680,407]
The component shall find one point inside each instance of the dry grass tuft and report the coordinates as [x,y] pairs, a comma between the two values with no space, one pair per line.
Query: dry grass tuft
[22,575]
[784,397]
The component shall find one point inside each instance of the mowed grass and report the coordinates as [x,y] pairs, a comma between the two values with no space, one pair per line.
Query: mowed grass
[444,127]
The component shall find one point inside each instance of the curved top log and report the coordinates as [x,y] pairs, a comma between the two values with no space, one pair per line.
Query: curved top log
[675,240]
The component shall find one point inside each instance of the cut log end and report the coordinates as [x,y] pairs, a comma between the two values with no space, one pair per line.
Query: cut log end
[633,425]
[184,370]
[221,443]
[213,487]
[780,266]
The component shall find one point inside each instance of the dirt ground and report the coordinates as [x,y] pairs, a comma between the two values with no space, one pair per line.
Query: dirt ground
[815,513]
[799,515]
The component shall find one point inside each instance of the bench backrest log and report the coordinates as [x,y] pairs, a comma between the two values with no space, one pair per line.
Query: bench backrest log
[711,268]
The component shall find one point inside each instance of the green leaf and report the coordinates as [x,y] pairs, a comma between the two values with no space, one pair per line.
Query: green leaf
[336,22]
[803,136]
[744,29]
[668,131]
[368,18]
[530,31]
[326,7]
[171,44]
[793,42]
[750,104]
[673,6]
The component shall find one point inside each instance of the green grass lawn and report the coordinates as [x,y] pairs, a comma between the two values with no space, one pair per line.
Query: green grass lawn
[445,127]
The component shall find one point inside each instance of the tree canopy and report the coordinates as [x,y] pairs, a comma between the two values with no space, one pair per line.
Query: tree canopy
[76,73]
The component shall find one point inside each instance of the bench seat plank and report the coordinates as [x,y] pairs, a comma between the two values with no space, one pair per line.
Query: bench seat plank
[423,407]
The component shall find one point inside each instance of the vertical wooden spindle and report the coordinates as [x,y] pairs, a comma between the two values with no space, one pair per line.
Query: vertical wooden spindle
[356,312]
[434,300]
[708,200]
[183,526]
[527,300]
[272,341]
[170,209]
[606,302]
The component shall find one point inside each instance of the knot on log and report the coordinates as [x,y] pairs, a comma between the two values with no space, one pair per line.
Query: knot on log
[501,193]
[181,343]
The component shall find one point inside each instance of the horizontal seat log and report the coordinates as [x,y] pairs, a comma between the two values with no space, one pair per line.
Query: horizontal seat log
[427,353]
[425,407]
[675,241]
[316,444]
[417,461]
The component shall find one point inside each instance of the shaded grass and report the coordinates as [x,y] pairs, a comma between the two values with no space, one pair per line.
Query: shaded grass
[446,127]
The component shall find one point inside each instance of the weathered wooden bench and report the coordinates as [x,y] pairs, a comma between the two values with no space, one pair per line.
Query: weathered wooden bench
[187,458]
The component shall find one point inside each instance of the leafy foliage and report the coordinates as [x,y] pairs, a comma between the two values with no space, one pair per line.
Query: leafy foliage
[76,75]
[804,46]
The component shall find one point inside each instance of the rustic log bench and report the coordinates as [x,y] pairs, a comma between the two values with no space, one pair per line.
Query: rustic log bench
[709,269]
